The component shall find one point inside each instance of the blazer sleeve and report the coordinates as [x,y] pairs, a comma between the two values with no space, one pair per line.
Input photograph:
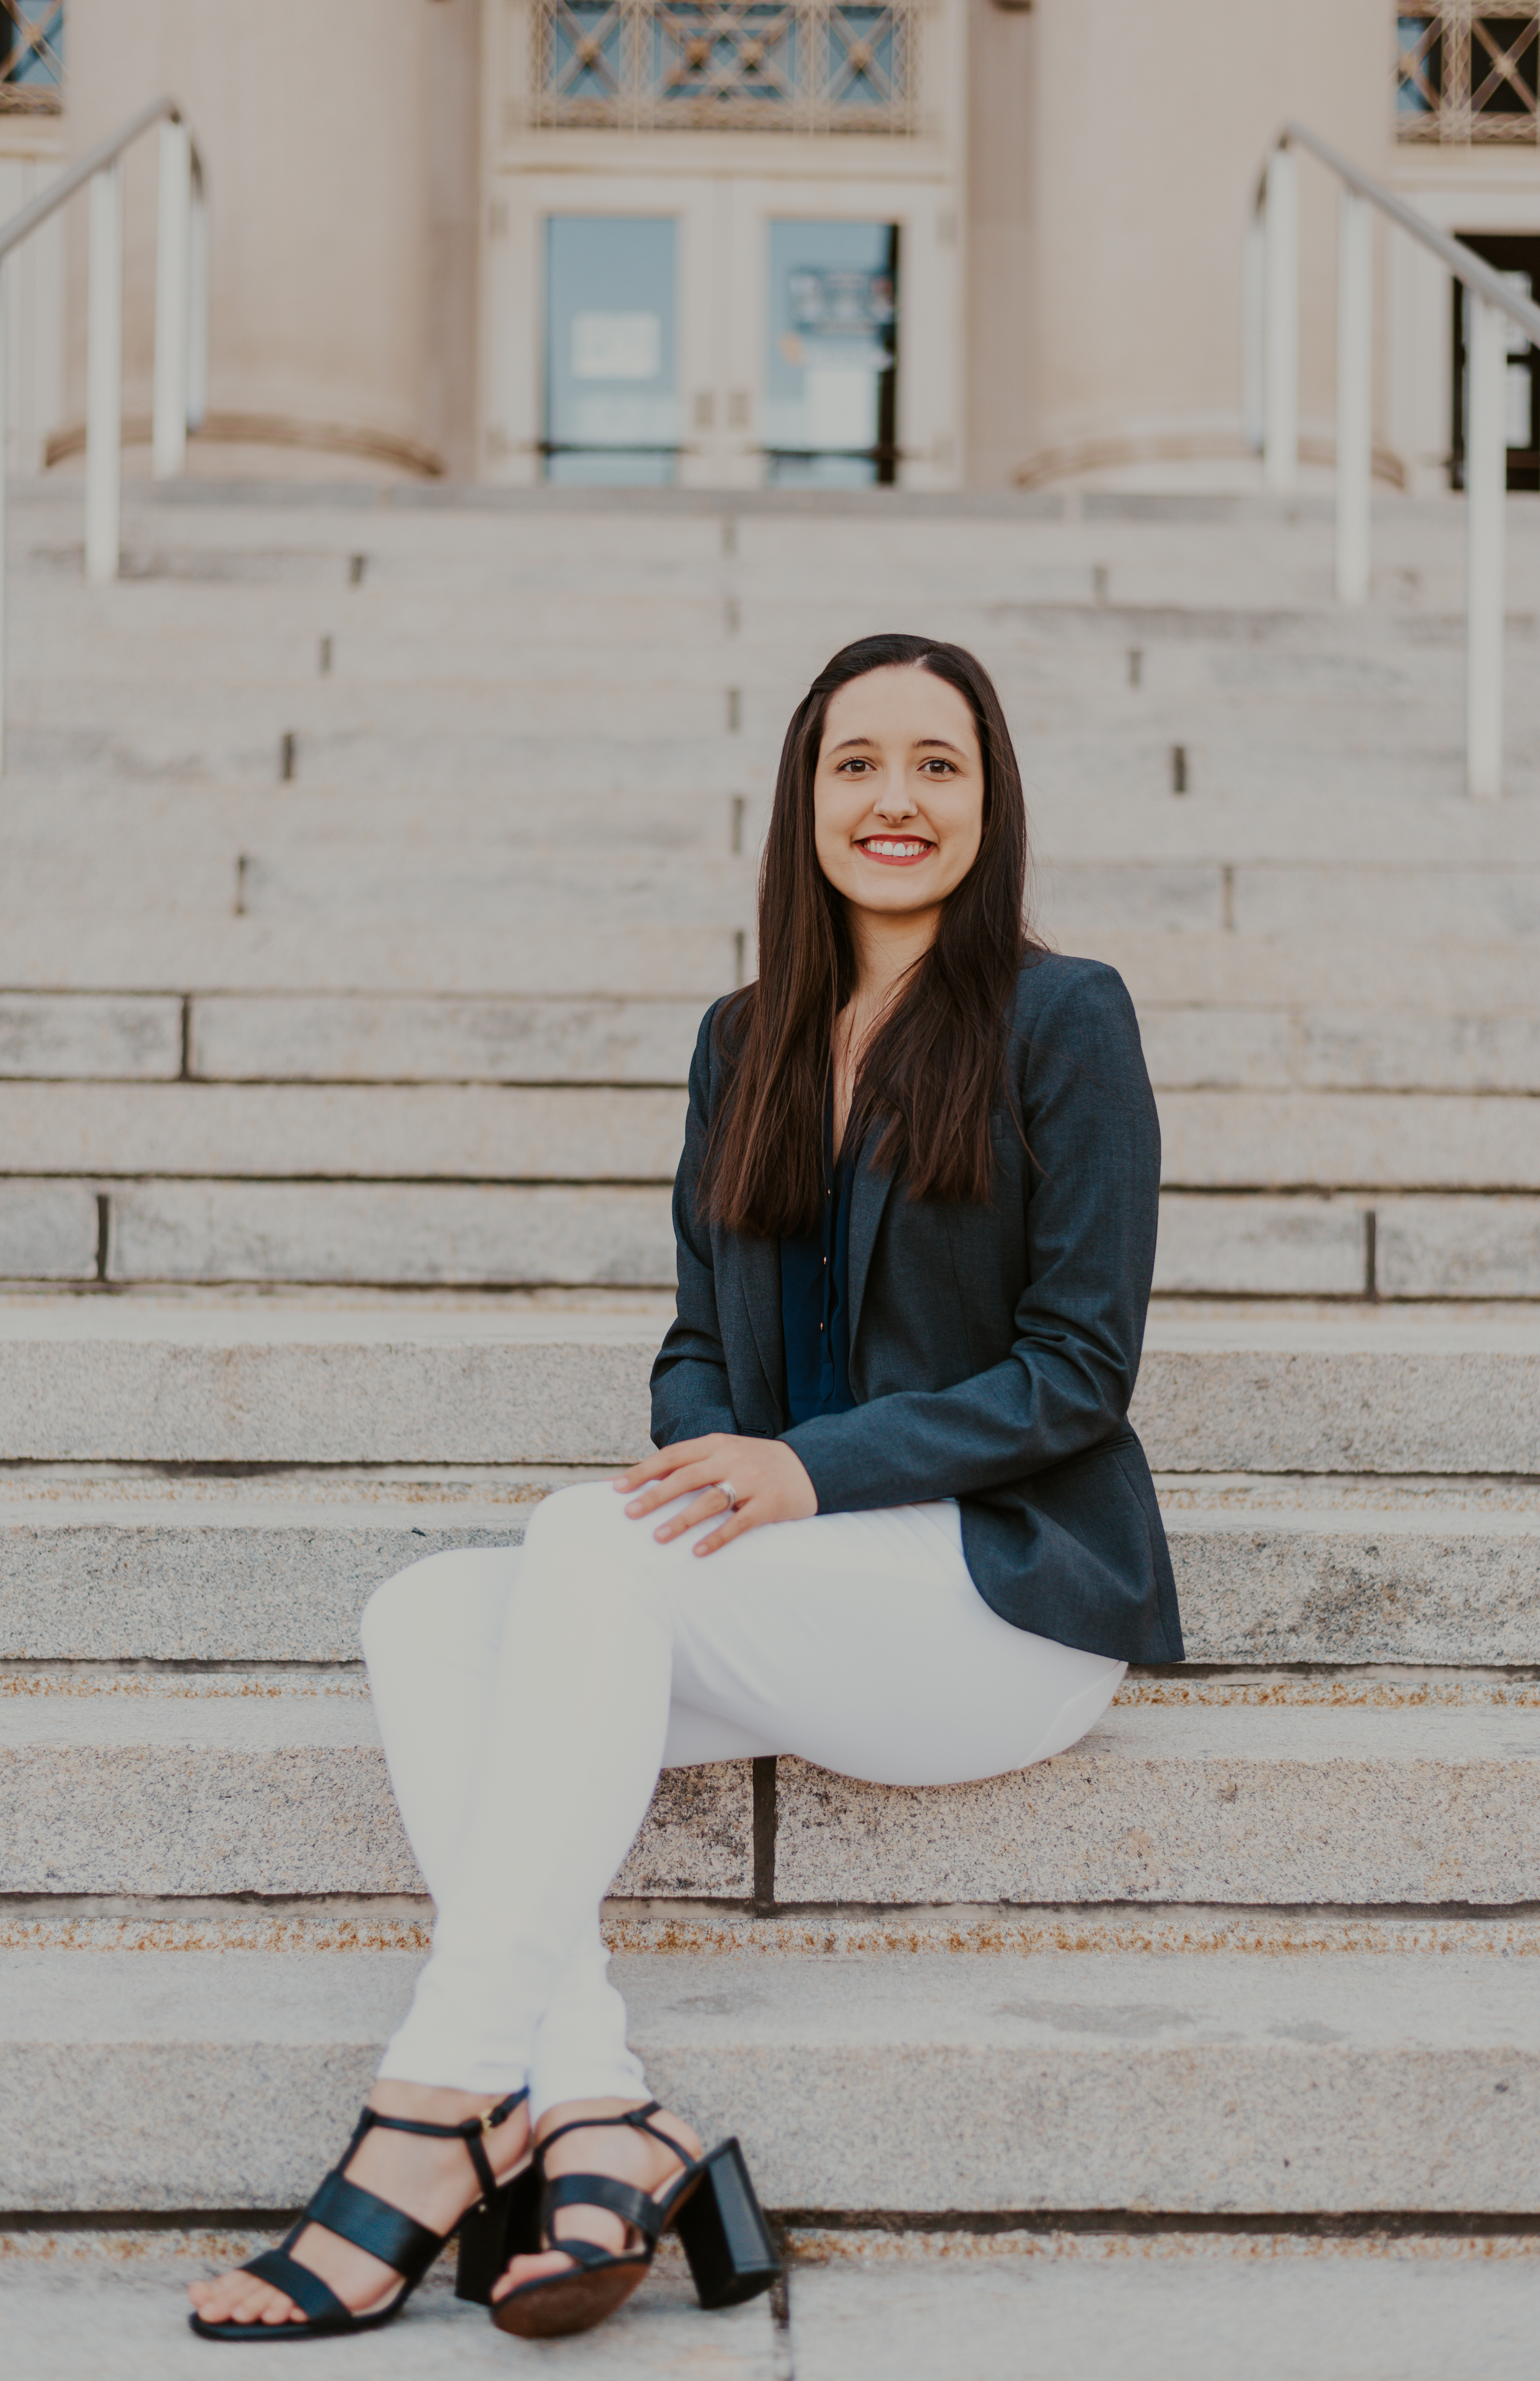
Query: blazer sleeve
[691,1396]
[1092,1187]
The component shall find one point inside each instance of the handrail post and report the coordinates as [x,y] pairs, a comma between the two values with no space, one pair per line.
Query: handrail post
[1355,317]
[1281,366]
[1486,494]
[104,374]
[197,298]
[172,265]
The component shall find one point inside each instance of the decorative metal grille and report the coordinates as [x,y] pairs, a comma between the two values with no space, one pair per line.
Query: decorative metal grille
[1466,72]
[759,66]
[31,56]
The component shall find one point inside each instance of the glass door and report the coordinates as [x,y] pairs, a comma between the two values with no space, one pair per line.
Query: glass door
[831,377]
[1517,258]
[612,404]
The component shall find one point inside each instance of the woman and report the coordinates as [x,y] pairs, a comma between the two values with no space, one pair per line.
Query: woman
[898,1523]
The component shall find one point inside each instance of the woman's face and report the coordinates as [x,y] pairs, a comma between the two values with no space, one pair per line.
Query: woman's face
[898,794]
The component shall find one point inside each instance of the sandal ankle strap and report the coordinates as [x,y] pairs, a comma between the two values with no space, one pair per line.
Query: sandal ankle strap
[472,2130]
[635,2118]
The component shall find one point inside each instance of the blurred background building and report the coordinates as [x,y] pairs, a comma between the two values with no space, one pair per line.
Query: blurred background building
[731,244]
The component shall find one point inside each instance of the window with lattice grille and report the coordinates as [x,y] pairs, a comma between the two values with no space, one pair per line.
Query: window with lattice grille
[1465,72]
[792,65]
[31,56]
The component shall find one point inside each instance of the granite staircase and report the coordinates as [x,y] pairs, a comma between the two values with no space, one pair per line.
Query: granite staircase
[367,862]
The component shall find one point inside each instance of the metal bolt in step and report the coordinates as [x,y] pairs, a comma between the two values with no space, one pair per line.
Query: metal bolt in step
[1179,768]
[326,656]
[1136,666]
[287,752]
[736,837]
[355,569]
[735,710]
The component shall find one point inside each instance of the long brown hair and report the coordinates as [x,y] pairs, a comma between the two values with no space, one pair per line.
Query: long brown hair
[935,1063]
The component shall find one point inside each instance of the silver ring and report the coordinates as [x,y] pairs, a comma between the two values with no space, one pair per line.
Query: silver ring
[729,1492]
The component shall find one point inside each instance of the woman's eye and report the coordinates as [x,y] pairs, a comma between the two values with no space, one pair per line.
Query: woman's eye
[941,768]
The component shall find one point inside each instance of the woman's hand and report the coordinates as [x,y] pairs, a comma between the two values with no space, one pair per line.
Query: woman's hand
[768,1480]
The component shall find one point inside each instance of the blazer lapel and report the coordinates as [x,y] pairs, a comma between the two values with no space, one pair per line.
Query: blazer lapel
[868,1197]
[759,1278]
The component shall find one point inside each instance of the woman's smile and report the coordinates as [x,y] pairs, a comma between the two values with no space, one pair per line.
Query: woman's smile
[894,851]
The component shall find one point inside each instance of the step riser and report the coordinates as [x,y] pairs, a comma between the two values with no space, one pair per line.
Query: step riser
[694,964]
[352,884]
[340,1401]
[1378,1812]
[312,1819]
[151,1232]
[1074,825]
[404,1040]
[1013,2085]
[482,1132]
[266,1592]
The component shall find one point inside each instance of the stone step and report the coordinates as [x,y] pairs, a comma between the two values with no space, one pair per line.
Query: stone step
[1257,757]
[118,1229]
[406,1038]
[472,671]
[380,1379]
[446,1132]
[109,1564]
[1193,2303]
[1046,634]
[1212,1140]
[1231,578]
[940,2083]
[126,1786]
[1200,967]
[514,885]
[113,2302]
[1251,563]
[382,827]
[588,893]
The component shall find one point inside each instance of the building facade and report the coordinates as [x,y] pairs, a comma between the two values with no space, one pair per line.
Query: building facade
[732,243]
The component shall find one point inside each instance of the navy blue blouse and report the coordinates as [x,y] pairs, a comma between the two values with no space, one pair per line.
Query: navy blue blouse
[815,1301]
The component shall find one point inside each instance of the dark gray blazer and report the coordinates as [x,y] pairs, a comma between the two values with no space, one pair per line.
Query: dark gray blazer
[993,1350]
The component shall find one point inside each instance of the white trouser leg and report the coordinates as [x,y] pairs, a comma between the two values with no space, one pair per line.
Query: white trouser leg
[524,1768]
[431,1637]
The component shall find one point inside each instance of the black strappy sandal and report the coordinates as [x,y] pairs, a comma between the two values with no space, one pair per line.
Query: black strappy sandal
[386,2232]
[711,2205]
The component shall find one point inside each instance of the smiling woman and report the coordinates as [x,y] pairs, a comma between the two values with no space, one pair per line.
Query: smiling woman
[897,1523]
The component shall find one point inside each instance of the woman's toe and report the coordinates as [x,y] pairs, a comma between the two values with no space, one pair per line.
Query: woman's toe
[529,2269]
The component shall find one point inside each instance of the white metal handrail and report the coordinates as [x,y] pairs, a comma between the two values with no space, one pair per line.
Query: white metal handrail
[181,325]
[1486,440]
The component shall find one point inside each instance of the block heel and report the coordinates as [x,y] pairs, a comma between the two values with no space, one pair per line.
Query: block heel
[724,2234]
[710,2203]
[504,2225]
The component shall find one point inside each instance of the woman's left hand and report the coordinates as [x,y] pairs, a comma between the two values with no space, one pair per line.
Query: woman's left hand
[767,1481]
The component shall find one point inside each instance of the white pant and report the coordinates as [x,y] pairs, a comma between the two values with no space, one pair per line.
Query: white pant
[528,1701]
